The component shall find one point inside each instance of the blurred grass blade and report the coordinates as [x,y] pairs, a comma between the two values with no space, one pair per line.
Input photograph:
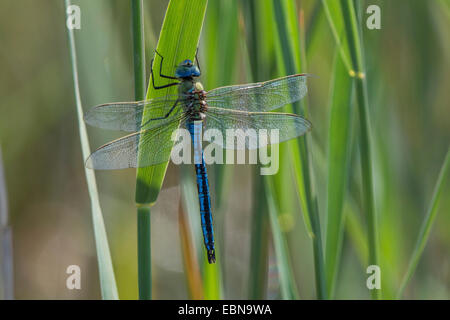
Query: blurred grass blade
[356,230]
[290,57]
[218,69]
[259,241]
[335,19]
[191,267]
[445,6]
[178,40]
[137,23]
[444,177]
[6,249]
[105,267]
[254,52]
[259,51]
[356,53]
[286,278]
[339,145]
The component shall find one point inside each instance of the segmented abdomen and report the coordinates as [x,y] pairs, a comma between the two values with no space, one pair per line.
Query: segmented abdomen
[203,191]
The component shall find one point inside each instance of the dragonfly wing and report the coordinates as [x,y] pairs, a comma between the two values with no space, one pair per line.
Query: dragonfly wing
[141,149]
[261,96]
[127,116]
[250,124]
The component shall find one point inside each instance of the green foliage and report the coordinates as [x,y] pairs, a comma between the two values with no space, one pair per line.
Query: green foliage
[368,170]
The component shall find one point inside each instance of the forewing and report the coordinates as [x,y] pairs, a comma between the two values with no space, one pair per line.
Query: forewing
[141,149]
[127,116]
[250,124]
[261,96]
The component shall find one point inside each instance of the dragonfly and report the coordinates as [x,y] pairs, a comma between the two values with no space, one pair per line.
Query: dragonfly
[247,106]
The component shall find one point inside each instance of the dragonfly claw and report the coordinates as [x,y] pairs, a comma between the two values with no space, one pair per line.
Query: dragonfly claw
[211,256]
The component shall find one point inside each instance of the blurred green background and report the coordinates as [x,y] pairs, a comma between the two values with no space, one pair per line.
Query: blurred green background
[407,74]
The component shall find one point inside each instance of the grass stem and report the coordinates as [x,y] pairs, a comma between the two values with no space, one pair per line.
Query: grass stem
[143,213]
[352,31]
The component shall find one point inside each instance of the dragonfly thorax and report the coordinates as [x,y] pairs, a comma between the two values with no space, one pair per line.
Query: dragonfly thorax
[195,103]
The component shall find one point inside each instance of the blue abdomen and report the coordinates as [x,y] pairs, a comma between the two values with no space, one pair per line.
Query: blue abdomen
[203,190]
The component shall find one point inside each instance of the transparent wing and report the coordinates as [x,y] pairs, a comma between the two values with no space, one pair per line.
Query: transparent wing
[141,149]
[261,96]
[127,116]
[251,124]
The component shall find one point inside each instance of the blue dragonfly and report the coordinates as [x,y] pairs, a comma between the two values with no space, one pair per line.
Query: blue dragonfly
[232,107]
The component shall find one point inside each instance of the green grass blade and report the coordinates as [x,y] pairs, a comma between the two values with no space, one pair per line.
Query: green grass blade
[356,53]
[143,213]
[335,19]
[445,5]
[259,241]
[218,61]
[356,231]
[338,161]
[444,177]
[137,23]
[144,253]
[220,68]
[178,40]
[260,53]
[105,266]
[290,58]
[255,51]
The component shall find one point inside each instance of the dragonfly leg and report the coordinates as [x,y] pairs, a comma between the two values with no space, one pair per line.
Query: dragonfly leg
[160,68]
[161,75]
[196,60]
[164,86]
[163,117]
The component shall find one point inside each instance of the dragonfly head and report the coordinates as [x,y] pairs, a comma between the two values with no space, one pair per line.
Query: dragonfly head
[187,69]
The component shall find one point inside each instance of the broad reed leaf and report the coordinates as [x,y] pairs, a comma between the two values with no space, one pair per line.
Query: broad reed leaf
[178,40]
